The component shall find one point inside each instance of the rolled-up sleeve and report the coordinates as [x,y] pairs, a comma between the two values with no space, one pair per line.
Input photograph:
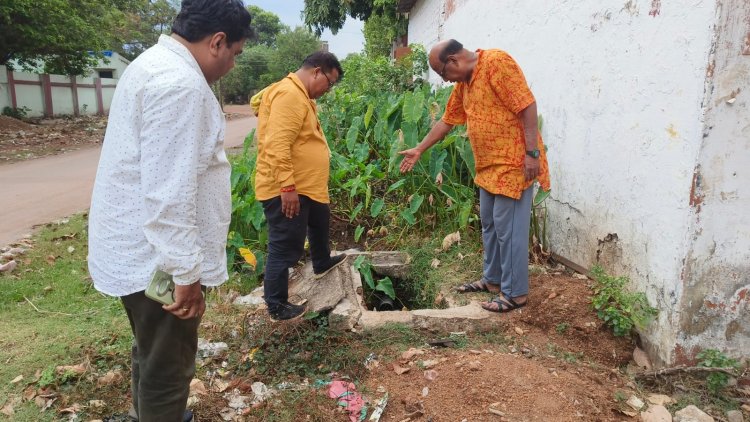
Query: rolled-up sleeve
[171,136]
[284,124]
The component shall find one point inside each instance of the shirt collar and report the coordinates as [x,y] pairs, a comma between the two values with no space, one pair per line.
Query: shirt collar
[178,48]
[293,76]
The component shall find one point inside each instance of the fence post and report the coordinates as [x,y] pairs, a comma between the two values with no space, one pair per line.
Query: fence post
[12,89]
[47,94]
[74,87]
[99,99]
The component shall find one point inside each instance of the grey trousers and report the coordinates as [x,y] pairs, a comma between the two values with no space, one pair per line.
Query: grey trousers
[163,359]
[505,236]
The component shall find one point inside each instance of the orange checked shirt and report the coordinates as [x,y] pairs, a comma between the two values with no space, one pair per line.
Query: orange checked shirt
[489,105]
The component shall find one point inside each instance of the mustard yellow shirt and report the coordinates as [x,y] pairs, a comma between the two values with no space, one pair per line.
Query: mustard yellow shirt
[292,149]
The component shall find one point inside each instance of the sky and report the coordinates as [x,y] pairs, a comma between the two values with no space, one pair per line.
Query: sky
[348,40]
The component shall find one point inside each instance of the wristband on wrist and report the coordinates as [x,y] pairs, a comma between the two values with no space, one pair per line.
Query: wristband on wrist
[289,188]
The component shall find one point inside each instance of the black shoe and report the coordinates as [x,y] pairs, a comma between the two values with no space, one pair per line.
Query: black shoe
[286,311]
[334,262]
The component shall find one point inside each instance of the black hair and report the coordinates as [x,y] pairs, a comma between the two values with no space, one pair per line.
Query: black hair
[198,19]
[451,47]
[324,60]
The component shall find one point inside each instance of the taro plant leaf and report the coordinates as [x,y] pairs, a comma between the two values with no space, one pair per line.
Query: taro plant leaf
[256,215]
[368,115]
[468,156]
[411,134]
[358,232]
[413,106]
[409,217]
[436,164]
[364,267]
[355,212]
[541,195]
[385,285]
[353,134]
[377,206]
[416,202]
[394,108]
[463,217]
[396,185]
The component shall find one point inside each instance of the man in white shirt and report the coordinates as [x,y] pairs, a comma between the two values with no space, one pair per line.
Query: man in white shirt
[162,196]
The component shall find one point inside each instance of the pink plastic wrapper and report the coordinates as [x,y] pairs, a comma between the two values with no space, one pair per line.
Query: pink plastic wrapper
[347,397]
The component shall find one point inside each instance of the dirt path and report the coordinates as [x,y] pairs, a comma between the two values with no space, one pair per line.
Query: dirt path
[38,191]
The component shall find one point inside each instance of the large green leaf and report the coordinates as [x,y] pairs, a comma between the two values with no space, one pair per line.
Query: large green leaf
[415,203]
[368,115]
[358,232]
[541,195]
[468,156]
[408,217]
[353,134]
[463,217]
[411,134]
[413,106]
[385,285]
[377,206]
[436,163]
[355,212]
[396,185]
[256,215]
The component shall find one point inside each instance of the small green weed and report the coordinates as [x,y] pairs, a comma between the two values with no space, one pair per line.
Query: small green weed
[562,327]
[618,308]
[712,358]
[19,113]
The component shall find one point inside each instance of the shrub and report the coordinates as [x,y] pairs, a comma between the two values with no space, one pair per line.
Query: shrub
[618,308]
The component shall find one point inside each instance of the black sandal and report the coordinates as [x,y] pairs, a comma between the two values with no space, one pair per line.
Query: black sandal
[504,304]
[473,287]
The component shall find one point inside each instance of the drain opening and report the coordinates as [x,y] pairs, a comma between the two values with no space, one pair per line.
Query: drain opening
[376,300]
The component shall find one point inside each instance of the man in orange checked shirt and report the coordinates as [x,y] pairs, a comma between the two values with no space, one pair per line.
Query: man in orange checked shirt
[291,179]
[492,98]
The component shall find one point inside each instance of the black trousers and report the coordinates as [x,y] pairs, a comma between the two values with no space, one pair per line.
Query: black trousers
[163,359]
[286,244]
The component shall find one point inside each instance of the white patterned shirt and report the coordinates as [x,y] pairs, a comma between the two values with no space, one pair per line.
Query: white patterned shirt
[162,195]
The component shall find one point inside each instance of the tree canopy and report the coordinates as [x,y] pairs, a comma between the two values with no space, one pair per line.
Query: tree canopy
[69,36]
[382,23]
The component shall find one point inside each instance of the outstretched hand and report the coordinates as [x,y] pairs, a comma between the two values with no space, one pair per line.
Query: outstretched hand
[411,156]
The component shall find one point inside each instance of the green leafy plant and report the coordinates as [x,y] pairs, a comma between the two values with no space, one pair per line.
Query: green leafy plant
[618,308]
[562,327]
[712,358]
[16,112]
[385,285]
[247,230]
[47,377]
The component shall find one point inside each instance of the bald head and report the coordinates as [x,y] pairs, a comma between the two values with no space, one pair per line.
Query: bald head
[451,51]
[439,52]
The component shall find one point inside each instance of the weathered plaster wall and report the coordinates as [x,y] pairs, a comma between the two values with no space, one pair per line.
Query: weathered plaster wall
[715,309]
[620,86]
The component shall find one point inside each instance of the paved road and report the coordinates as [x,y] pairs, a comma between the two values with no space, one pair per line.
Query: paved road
[38,191]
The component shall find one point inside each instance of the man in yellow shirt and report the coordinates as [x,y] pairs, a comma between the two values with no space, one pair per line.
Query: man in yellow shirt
[291,177]
[492,98]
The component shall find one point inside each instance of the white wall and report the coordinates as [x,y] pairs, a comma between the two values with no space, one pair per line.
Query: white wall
[716,294]
[32,96]
[620,87]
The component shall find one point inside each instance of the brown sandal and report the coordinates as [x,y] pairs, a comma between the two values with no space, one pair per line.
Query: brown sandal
[477,286]
[504,304]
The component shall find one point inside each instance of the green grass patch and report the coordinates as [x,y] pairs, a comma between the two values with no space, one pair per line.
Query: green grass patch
[52,315]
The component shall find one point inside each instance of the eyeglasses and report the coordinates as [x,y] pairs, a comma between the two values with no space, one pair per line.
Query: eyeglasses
[442,71]
[330,84]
